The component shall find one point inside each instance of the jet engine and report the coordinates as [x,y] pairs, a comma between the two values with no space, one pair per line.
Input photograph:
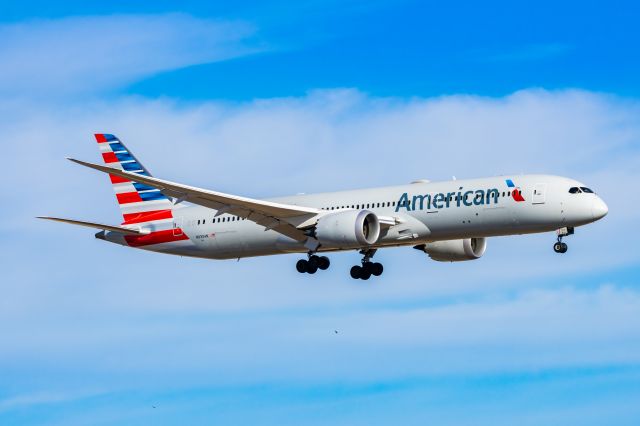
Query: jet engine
[455,250]
[350,228]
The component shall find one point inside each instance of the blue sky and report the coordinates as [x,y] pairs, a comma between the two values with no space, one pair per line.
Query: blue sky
[274,98]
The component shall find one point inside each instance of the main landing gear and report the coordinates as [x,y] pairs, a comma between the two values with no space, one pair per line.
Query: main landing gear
[559,246]
[368,268]
[312,265]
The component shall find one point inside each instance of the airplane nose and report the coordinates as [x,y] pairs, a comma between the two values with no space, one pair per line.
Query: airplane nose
[599,209]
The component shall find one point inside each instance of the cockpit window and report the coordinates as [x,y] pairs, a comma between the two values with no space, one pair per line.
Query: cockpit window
[574,190]
[587,190]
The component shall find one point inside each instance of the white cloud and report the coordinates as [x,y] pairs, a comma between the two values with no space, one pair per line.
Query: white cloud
[204,320]
[89,54]
[530,331]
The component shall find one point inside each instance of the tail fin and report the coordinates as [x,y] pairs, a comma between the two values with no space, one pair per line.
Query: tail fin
[138,202]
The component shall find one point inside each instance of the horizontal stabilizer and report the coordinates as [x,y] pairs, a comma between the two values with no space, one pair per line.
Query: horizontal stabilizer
[119,229]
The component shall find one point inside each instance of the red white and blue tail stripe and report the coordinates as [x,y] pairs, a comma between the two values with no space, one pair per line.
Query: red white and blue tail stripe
[138,202]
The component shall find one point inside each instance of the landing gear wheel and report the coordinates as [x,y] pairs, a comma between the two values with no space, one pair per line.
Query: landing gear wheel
[356,272]
[314,262]
[312,265]
[368,268]
[376,269]
[312,268]
[302,265]
[323,263]
[559,246]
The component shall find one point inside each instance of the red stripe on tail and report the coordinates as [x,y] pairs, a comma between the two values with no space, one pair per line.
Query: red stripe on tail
[109,157]
[128,197]
[118,179]
[100,138]
[147,216]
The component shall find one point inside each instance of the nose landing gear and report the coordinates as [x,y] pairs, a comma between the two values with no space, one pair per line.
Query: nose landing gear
[312,265]
[368,268]
[559,246]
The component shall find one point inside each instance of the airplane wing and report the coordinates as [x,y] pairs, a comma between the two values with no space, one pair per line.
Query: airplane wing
[284,218]
[120,229]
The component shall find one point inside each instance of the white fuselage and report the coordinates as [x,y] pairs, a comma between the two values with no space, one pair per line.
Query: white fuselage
[424,212]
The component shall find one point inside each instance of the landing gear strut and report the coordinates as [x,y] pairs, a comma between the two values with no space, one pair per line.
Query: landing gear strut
[368,268]
[313,263]
[559,246]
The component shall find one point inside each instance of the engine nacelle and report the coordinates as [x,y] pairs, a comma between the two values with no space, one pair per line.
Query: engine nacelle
[456,250]
[351,228]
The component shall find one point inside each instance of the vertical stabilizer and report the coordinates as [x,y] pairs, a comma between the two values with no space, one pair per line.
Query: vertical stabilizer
[138,202]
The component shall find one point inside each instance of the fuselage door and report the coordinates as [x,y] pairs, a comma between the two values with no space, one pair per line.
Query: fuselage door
[177,226]
[539,193]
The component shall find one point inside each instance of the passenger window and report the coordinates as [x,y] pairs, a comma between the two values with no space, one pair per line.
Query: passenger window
[587,190]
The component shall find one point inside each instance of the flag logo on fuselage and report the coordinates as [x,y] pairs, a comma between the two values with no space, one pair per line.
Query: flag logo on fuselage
[515,192]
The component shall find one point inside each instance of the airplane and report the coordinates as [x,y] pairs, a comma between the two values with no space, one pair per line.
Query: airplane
[450,221]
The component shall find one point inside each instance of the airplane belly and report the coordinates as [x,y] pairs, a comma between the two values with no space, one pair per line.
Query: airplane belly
[247,241]
[229,242]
